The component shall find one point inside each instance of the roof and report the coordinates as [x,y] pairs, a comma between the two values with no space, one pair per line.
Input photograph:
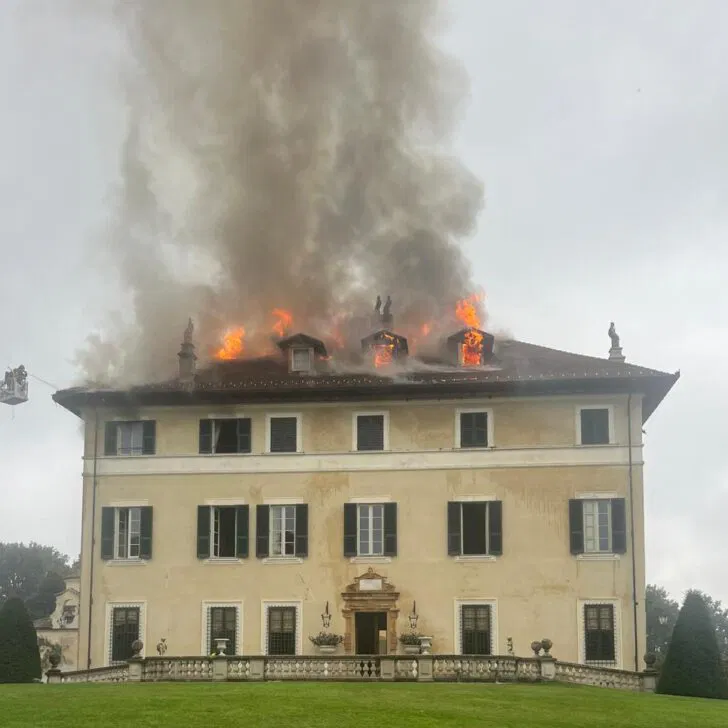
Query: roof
[517,368]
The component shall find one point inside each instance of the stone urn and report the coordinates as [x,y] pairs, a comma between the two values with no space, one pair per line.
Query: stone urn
[426,645]
[411,649]
[327,649]
[54,660]
[221,644]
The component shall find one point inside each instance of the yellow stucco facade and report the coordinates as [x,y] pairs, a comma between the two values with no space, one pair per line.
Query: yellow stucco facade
[534,465]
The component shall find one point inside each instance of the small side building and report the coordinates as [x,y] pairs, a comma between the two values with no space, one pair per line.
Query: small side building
[59,631]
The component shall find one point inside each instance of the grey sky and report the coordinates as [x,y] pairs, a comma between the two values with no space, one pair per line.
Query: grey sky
[598,128]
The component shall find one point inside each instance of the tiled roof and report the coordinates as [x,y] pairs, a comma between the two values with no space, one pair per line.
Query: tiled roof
[516,367]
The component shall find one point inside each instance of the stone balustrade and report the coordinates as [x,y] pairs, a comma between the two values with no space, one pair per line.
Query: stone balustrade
[409,668]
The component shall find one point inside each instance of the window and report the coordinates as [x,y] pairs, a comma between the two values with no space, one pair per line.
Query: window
[594,426]
[473,429]
[225,436]
[598,526]
[124,632]
[370,432]
[222,532]
[370,529]
[599,633]
[283,434]
[281,630]
[282,531]
[126,533]
[130,438]
[475,528]
[475,629]
[223,625]
[300,360]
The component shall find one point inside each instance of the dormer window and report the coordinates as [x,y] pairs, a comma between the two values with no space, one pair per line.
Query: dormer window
[301,360]
[471,347]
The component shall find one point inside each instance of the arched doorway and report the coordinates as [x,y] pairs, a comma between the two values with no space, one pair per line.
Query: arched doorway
[370,609]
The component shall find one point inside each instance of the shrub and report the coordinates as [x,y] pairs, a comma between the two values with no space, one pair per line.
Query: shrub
[693,666]
[410,638]
[19,654]
[327,638]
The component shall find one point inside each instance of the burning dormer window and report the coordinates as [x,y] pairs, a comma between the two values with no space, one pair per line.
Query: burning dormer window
[301,360]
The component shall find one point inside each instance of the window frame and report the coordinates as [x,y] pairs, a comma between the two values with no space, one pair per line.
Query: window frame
[463,504]
[595,502]
[490,429]
[299,433]
[117,423]
[117,528]
[477,602]
[214,420]
[384,414]
[292,360]
[610,424]
[370,520]
[616,605]
[266,604]
[213,510]
[206,647]
[284,507]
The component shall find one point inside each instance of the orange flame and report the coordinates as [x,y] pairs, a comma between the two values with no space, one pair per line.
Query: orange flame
[285,319]
[426,328]
[232,346]
[384,353]
[472,347]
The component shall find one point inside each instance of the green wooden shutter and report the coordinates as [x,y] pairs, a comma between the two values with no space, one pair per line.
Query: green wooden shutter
[495,527]
[619,526]
[390,529]
[262,529]
[244,434]
[110,430]
[206,437]
[453,529]
[203,532]
[576,526]
[302,530]
[350,511]
[145,530]
[108,516]
[242,532]
[149,437]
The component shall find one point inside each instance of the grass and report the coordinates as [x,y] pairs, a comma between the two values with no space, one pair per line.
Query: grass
[341,705]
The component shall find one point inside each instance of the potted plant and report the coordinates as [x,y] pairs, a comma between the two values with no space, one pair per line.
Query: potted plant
[327,642]
[410,643]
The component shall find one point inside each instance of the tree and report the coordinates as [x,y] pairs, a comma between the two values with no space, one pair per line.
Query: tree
[32,572]
[662,614]
[19,654]
[720,622]
[693,665]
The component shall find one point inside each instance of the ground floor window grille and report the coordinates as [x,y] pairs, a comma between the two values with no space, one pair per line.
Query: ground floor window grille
[281,630]
[124,632]
[475,632]
[223,625]
[599,633]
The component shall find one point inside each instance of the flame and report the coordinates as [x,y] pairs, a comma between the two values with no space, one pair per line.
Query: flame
[426,328]
[384,353]
[232,346]
[285,319]
[472,346]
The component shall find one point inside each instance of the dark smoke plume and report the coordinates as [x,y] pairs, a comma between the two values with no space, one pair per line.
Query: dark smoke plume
[284,154]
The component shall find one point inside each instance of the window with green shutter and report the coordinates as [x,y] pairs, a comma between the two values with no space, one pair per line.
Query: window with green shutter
[473,429]
[225,436]
[283,434]
[126,533]
[594,425]
[475,528]
[222,532]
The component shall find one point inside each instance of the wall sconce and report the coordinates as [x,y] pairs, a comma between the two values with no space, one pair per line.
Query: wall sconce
[413,617]
[326,617]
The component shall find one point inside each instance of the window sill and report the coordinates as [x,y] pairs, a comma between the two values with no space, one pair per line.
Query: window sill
[126,562]
[475,557]
[287,452]
[595,444]
[222,560]
[370,560]
[283,560]
[597,557]
[222,454]
[468,448]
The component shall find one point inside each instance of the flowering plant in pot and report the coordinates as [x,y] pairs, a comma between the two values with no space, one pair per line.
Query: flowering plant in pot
[410,641]
[327,642]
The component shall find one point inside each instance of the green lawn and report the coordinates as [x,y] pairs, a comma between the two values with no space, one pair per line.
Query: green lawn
[358,705]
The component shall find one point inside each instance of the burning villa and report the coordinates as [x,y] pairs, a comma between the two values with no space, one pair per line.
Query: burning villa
[496,485]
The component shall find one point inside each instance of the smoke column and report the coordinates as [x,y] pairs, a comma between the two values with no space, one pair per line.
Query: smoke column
[283,153]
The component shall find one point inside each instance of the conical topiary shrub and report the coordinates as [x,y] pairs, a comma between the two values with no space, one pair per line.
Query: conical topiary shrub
[693,666]
[19,654]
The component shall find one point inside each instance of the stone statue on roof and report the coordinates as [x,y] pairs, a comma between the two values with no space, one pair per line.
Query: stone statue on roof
[188,332]
[387,312]
[378,305]
[613,336]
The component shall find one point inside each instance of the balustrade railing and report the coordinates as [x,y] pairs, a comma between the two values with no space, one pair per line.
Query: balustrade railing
[440,668]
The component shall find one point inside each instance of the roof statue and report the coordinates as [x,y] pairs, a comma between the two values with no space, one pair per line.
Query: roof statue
[188,332]
[613,336]
[387,311]
[378,305]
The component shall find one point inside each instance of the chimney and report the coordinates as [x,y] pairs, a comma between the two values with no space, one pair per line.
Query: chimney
[187,358]
[615,351]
